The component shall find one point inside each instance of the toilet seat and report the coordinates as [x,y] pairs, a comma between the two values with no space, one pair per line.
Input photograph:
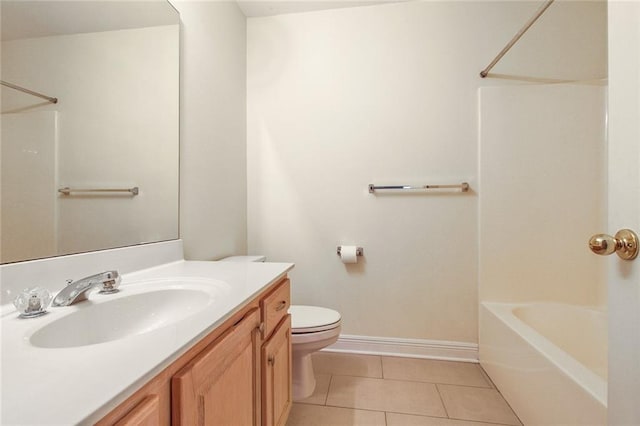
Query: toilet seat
[312,319]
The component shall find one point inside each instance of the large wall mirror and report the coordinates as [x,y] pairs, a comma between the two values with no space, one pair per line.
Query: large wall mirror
[98,168]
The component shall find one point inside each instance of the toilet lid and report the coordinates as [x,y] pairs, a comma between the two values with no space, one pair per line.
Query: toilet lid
[310,319]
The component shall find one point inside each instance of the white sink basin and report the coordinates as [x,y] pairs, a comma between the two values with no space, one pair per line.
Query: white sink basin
[135,309]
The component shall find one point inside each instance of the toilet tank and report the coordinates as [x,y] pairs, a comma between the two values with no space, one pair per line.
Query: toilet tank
[258,258]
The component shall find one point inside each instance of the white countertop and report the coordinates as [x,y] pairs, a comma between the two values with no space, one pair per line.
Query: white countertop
[79,385]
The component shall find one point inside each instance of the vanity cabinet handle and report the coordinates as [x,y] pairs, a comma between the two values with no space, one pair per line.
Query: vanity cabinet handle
[271,360]
[281,305]
[261,327]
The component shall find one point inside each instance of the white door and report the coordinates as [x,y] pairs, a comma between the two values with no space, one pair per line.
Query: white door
[624,210]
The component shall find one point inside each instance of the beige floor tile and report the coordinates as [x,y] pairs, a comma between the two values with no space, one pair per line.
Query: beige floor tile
[347,364]
[317,415]
[385,395]
[432,371]
[319,396]
[477,404]
[395,419]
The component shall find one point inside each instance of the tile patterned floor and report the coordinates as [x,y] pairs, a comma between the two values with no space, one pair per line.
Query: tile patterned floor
[368,390]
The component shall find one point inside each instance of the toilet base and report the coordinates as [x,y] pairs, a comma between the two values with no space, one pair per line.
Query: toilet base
[303,380]
[303,345]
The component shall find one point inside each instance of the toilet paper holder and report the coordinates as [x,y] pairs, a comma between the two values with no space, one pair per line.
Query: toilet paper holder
[359,251]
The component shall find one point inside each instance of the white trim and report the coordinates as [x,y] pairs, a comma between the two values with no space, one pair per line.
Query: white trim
[412,348]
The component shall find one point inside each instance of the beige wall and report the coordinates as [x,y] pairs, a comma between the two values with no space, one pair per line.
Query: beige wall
[212,129]
[389,94]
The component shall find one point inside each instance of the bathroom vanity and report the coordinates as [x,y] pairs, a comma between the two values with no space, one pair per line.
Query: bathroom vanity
[240,373]
[182,342]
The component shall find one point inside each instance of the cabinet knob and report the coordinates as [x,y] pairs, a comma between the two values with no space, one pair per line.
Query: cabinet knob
[271,360]
[261,327]
[281,305]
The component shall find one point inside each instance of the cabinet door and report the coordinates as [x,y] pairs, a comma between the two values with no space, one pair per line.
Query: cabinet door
[147,413]
[219,386]
[276,375]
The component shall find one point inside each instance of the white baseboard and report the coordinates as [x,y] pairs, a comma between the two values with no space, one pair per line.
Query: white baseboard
[413,348]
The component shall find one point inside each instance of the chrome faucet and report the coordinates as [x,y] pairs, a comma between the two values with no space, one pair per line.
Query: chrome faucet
[76,291]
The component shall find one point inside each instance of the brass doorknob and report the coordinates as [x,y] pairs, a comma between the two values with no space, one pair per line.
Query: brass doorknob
[624,243]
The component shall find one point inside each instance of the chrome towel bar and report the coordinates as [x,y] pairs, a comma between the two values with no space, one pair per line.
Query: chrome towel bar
[464,187]
[67,191]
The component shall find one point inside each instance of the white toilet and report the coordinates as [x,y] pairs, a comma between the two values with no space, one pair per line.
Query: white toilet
[312,328]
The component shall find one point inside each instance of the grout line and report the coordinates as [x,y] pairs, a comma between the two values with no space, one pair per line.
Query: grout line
[416,415]
[350,408]
[386,423]
[440,383]
[442,402]
[412,381]
[381,368]
[482,421]
[493,389]
[352,375]
[326,397]
[451,418]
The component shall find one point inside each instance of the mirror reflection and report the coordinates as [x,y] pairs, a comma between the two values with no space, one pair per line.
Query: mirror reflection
[98,168]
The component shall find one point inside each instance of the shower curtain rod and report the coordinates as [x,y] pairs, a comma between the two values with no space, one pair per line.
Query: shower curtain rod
[30,92]
[516,37]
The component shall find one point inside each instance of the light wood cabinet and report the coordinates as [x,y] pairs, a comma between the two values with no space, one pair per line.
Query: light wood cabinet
[218,387]
[227,378]
[276,375]
[274,307]
[146,413]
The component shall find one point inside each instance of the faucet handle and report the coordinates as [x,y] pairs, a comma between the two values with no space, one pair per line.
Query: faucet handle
[32,302]
[111,282]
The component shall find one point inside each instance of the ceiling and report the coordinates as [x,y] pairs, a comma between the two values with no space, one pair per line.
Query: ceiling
[256,8]
[40,18]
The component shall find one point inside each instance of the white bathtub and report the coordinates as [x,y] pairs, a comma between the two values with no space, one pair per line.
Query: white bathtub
[549,360]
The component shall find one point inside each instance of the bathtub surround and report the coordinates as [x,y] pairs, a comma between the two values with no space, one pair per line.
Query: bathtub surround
[542,179]
[339,99]
[535,186]
[37,132]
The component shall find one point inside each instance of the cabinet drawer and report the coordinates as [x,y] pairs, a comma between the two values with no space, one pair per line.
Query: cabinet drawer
[275,307]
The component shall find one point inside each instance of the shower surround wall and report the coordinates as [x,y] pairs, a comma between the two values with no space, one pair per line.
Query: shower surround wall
[28,226]
[543,185]
[389,94]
